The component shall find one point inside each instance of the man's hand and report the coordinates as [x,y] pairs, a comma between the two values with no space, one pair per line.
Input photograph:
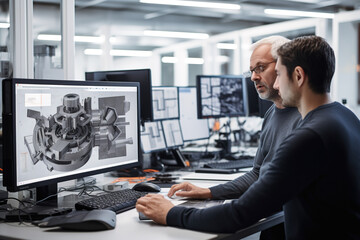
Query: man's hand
[155,207]
[187,189]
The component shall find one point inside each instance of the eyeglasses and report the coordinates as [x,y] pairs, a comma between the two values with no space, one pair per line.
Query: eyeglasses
[258,69]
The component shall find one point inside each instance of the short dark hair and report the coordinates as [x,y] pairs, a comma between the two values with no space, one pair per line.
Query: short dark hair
[315,56]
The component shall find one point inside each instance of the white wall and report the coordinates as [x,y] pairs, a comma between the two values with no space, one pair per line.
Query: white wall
[345,43]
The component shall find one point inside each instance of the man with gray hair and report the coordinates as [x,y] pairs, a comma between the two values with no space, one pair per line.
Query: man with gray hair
[278,123]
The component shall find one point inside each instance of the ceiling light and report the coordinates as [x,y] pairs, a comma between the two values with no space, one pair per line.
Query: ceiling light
[4,25]
[49,37]
[194,4]
[305,1]
[130,53]
[298,13]
[176,34]
[96,52]
[226,46]
[169,60]
[89,39]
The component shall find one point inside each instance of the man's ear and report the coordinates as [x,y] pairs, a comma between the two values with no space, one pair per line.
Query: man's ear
[299,76]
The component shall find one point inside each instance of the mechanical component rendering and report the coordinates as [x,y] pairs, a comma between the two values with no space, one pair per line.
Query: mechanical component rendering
[64,141]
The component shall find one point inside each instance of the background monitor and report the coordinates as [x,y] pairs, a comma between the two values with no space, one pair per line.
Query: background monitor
[192,128]
[165,103]
[63,130]
[172,133]
[221,96]
[143,76]
[256,105]
[152,138]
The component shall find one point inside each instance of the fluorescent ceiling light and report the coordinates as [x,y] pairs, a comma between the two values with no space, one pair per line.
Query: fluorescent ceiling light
[4,25]
[194,4]
[122,53]
[187,60]
[49,37]
[298,13]
[176,34]
[305,1]
[226,46]
[96,52]
[130,53]
[89,39]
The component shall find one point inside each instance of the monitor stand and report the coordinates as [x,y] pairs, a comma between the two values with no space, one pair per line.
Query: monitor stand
[47,195]
[179,157]
[173,158]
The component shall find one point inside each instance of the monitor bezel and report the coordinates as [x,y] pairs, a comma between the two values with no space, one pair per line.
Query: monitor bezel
[178,108]
[9,132]
[174,146]
[198,94]
[147,111]
[207,122]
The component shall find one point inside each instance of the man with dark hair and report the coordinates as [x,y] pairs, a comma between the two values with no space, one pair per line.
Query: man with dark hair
[314,174]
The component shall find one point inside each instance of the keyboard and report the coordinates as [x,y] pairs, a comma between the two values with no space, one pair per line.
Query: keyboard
[119,201]
[234,164]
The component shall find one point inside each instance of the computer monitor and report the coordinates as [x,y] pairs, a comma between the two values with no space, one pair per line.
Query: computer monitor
[192,128]
[165,103]
[152,137]
[63,130]
[221,96]
[256,105]
[174,139]
[172,133]
[142,76]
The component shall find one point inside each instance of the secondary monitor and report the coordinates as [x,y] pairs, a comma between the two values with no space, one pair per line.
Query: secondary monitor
[221,96]
[174,140]
[192,128]
[62,130]
[256,105]
[172,133]
[152,137]
[165,103]
[142,76]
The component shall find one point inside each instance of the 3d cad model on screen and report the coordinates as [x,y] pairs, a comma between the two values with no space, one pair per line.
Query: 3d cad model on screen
[64,141]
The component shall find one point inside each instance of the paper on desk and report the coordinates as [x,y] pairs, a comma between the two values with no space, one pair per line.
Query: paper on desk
[212,176]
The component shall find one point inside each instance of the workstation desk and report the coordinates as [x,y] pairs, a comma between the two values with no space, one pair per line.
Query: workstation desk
[128,226]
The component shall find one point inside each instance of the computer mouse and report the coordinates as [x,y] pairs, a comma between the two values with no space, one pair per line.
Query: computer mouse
[146,187]
[94,220]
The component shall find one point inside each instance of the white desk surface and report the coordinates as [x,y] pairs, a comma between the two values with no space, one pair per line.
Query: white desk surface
[128,227]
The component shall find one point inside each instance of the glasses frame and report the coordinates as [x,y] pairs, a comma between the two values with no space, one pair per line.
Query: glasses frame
[258,69]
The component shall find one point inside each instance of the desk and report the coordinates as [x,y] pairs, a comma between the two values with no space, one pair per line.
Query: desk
[128,226]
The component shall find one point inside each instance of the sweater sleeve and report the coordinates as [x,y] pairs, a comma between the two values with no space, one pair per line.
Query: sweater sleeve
[287,176]
[235,188]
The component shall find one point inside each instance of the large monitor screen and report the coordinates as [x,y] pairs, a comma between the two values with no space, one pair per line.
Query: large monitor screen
[221,96]
[152,137]
[60,130]
[165,103]
[172,133]
[142,76]
[192,128]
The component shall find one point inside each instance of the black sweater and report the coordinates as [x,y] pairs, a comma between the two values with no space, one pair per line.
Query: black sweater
[315,176]
[277,125]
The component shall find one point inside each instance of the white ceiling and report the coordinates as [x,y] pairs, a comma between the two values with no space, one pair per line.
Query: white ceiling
[115,17]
